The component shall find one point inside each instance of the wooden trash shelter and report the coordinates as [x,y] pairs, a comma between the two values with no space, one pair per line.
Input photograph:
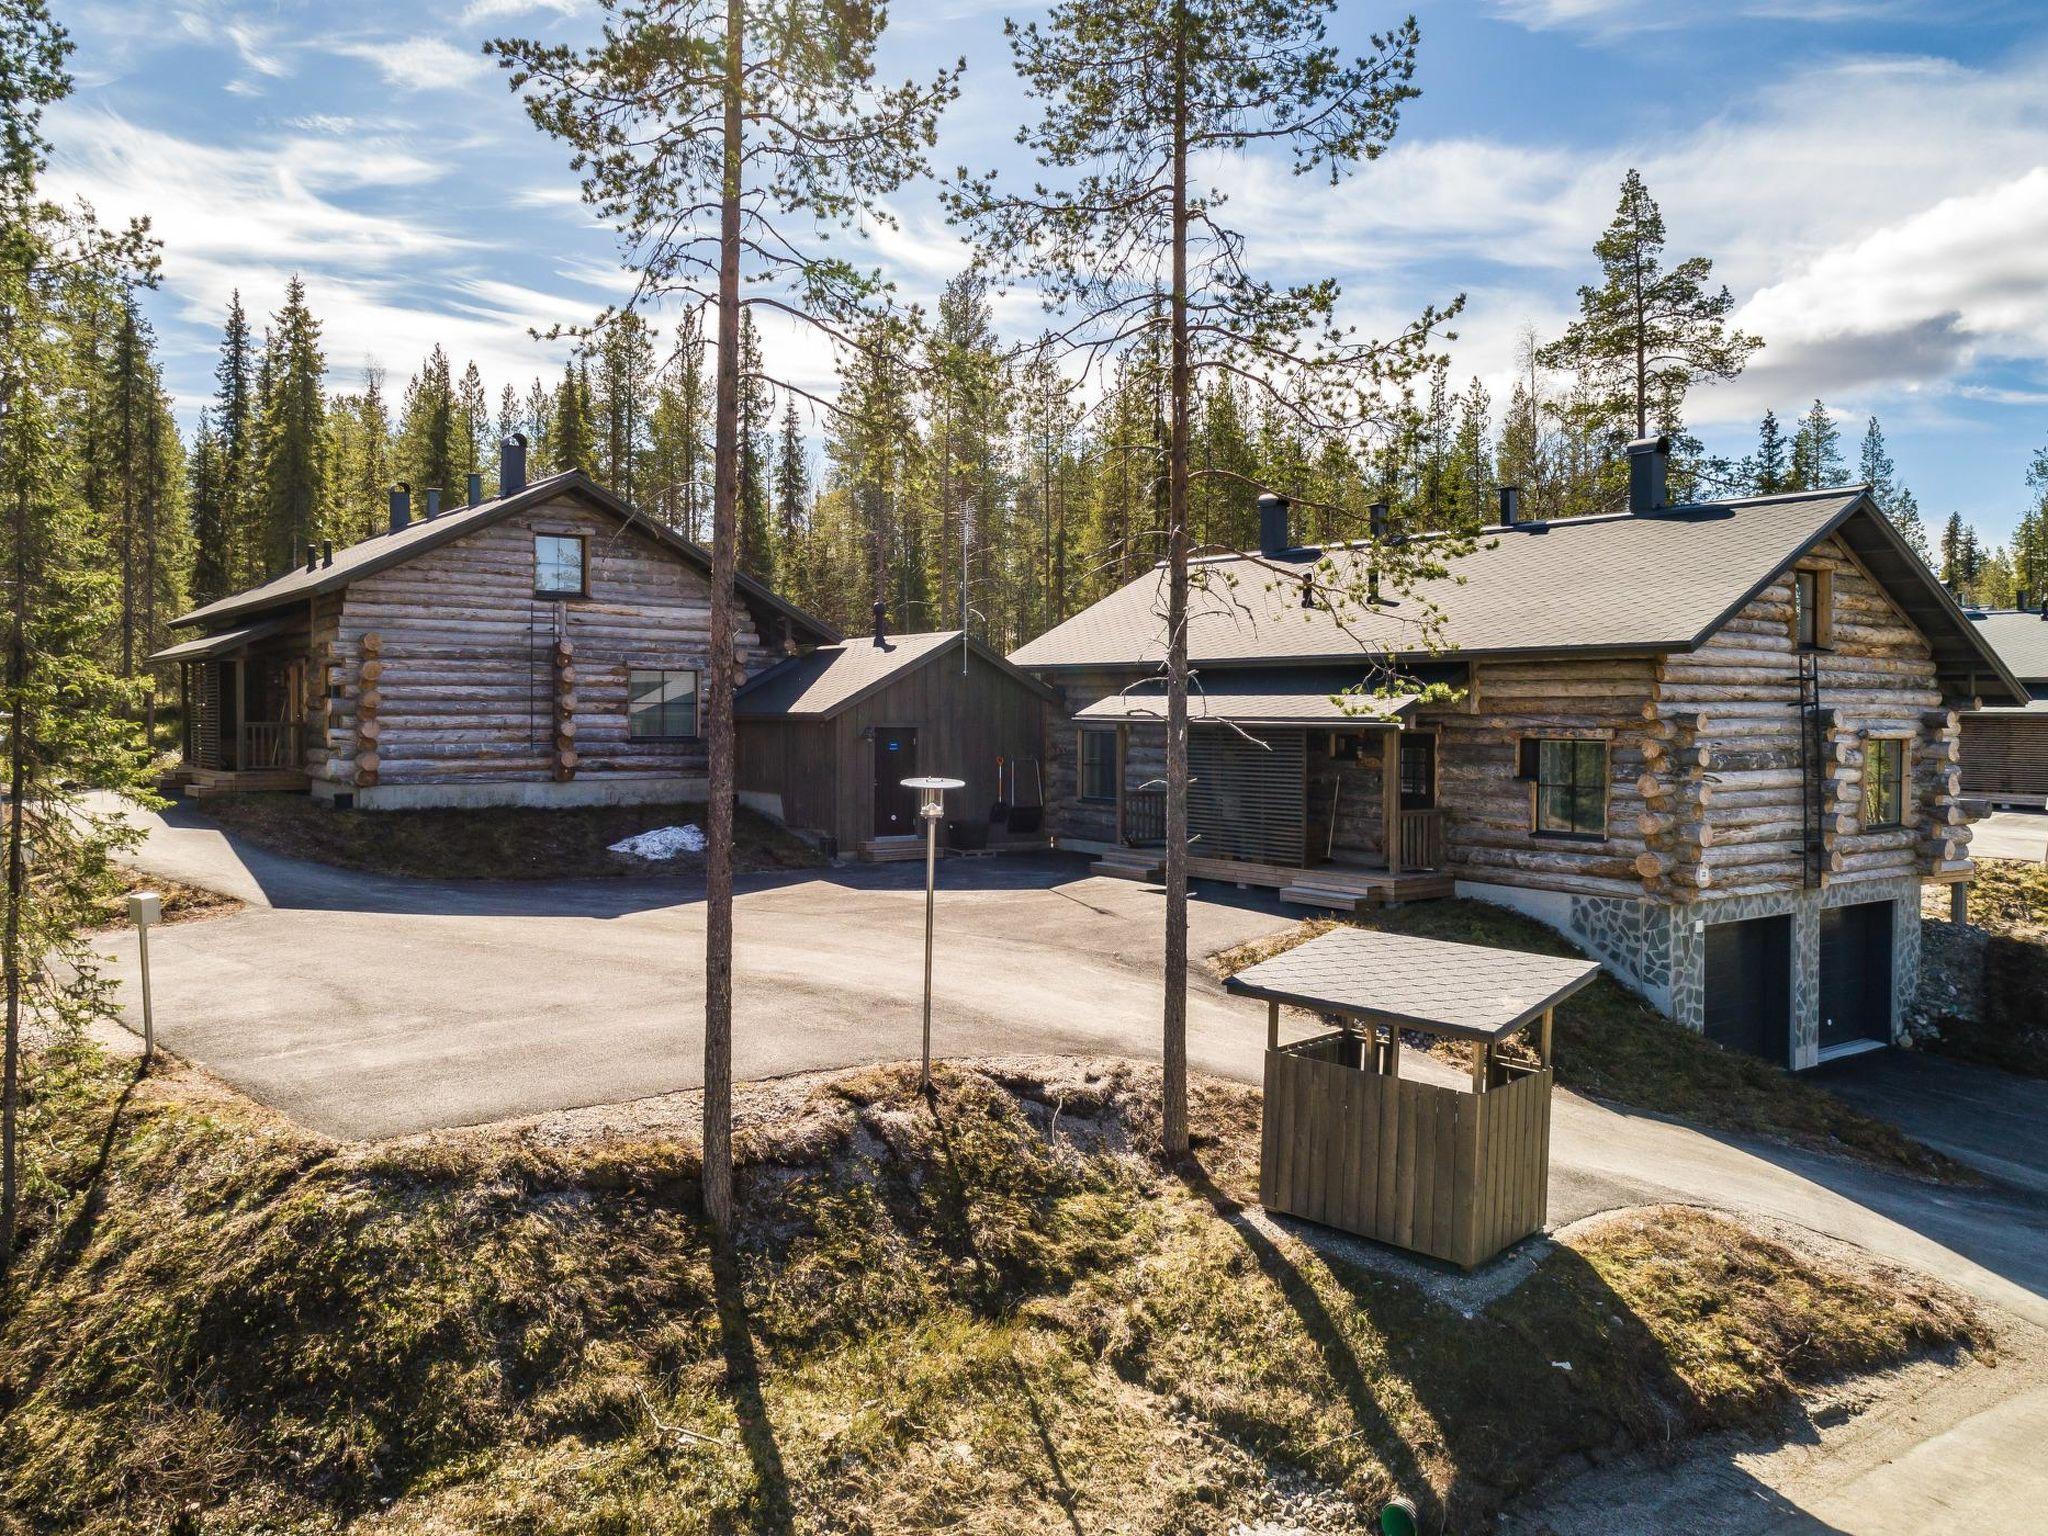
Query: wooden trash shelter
[1453,1172]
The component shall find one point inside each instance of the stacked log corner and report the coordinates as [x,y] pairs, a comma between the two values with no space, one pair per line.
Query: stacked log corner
[565,710]
[369,699]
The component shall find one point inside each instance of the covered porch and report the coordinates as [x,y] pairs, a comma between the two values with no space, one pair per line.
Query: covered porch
[243,697]
[1331,799]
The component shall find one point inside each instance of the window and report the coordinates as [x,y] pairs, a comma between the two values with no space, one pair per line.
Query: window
[1098,765]
[558,565]
[661,704]
[1812,599]
[1418,772]
[1571,786]
[337,680]
[1884,782]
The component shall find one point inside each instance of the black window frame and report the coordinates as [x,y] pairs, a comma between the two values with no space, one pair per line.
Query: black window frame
[696,676]
[582,543]
[1423,746]
[1893,750]
[1580,787]
[1084,765]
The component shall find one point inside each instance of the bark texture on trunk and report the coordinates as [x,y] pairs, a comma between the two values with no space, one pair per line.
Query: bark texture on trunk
[724,553]
[1174,1052]
[17,884]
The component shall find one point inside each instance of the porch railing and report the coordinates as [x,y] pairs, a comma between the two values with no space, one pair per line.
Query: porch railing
[1144,816]
[1422,839]
[269,744]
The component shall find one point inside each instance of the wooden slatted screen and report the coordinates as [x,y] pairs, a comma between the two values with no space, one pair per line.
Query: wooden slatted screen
[2005,754]
[1249,799]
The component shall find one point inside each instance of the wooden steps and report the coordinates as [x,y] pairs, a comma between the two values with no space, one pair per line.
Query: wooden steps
[890,850]
[225,781]
[1137,864]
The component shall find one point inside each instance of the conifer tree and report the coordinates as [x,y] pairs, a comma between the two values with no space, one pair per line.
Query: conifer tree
[433,441]
[572,430]
[1646,333]
[756,531]
[792,490]
[1768,470]
[292,448]
[726,144]
[207,501]
[1816,458]
[473,416]
[1875,468]
[1132,98]
[625,360]
[234,419]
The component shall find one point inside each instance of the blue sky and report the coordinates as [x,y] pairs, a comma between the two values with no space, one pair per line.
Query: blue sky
[1870,176]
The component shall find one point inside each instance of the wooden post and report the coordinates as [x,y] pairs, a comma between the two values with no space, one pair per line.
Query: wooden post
[185,711]
[1959,903]
[1272,1026]
[1393,1050]
[1543,1039]
[1390,797]
[1482,1062]
[241,711]
[1123,738]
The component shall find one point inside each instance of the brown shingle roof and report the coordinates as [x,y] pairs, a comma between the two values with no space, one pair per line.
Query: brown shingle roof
[1660,581]
[835,677]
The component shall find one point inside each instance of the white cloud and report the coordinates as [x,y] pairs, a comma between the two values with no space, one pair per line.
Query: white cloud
[499,10]
[418,63]
[1612,17]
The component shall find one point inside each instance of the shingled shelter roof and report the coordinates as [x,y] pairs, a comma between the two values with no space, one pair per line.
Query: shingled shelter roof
[382,551]
[2021,640]
[833,678]
[1625,583]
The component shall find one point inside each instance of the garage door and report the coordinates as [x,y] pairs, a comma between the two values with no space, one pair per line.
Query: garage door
[1749,987]
[1855,974]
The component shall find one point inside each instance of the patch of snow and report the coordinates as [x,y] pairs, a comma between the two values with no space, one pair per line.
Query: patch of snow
[662,842]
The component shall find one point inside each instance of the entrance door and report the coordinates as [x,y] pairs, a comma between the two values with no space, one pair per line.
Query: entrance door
[1749,987]
[1856,973]
[895,761]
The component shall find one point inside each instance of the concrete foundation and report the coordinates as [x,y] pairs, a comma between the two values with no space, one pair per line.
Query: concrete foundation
[539,794]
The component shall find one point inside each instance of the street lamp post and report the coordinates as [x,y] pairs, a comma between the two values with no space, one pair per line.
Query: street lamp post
[144,909]
[931,795]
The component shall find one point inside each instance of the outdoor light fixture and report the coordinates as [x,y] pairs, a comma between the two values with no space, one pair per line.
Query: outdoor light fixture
[144,909]
[931,805]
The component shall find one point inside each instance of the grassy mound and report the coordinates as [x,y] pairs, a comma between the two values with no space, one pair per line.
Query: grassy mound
[2008,1027]
[995,1314]
[498,843]
[1614,1046]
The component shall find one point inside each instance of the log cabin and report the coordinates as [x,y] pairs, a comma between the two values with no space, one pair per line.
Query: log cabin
[544,647]
[827,738]
[1717,744]
[2005,750]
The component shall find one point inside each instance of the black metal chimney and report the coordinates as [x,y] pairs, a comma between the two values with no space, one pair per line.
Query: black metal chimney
[312,556]
[433,502]
[881,612]
[1376,520]
[327,551]
[512,465]
[1273,536]
[401,505]
[1649,460]
[1510,505]
[476,489]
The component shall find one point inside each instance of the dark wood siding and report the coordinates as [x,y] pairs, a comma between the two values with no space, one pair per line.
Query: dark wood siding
[2006,753]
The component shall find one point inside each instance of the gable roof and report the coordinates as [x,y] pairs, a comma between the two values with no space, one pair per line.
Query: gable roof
[2021,640]
[834,678]
[368,556]
[1623,583]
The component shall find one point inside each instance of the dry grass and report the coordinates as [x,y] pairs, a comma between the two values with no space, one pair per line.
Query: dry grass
[504,843]
[1000,1313]
[2003,1020]
[1613,1046]
[182,903]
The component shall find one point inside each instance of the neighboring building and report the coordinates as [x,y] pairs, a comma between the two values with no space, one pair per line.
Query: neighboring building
[1716,744]
[826,739]
[546,647]
[2005,751]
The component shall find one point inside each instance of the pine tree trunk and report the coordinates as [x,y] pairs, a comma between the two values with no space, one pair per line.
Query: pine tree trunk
[1174,1075]
[724,538]
[17,880]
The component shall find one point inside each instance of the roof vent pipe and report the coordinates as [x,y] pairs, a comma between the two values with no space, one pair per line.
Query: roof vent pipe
[433,502]
[327,551]
[881,613]
[401,505]
[1273,535]
[312,556]
[1510,505]
[476,489]
[512,465]
[1649,461]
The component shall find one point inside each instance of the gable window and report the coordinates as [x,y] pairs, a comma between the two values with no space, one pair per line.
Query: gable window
[1570,779]
[558,565]
[1098,765]
[661,703]
[1884,782]
[1812,602]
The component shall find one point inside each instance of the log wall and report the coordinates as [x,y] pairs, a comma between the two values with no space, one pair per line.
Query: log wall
[453,670]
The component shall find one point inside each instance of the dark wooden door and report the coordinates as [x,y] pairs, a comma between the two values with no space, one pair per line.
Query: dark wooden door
[895,761]
[1749,987]
[1856,973]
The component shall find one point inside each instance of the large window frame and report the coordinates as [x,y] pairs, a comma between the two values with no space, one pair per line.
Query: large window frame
[662,712]
[1568,786]
[1813,605]
[1095,765]
[1884,782]
[546,566]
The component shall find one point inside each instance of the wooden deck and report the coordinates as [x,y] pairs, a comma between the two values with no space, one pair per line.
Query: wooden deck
[198,783]
[1331,887]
